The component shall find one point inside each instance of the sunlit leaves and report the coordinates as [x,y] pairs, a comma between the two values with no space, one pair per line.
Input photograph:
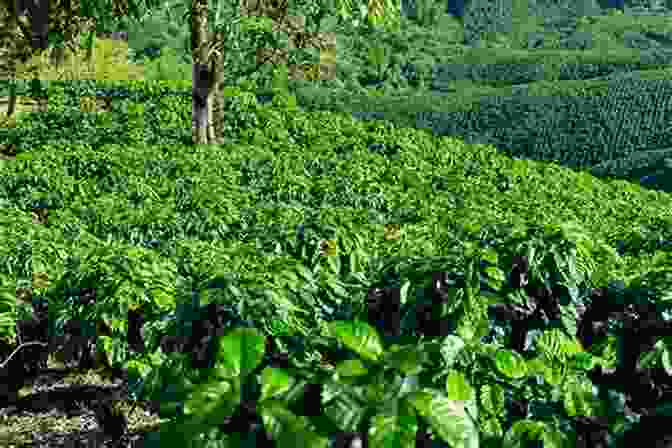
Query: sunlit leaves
[510,364]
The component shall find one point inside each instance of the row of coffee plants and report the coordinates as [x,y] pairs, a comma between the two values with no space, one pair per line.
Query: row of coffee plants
[439,329]
[512,345]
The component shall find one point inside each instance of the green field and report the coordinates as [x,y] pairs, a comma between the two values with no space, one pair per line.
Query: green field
[127,205]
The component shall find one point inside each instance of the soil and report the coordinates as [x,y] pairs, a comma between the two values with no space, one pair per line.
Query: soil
[58,410]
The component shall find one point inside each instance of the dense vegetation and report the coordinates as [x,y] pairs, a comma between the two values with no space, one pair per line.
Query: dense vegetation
[318,278]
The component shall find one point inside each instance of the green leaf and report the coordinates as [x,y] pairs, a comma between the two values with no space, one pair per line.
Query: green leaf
[358,336]
[287,278]
[334,263]
[556,345]
[256,24]
[240,352]
[489,255]
[522,432]
[164,298]
[492,399]
[496,275]
[392,430]
[525,431]
[403,293]
[492,428]
[583,361]
[329,23]
[474,324]
[331,282]
[553,372]
[305,273]
[648,359]
[24,156]
[7,324]
[407,359]
[208,397]
[448,418]
[288,429]
[351,367]
[181,433]
[356,261]
[457,387]
[275,382]
[511,364]
[466,330]
[377,389]
[579,399]
[450,349]
[377,55]
[667,361]
[421,401]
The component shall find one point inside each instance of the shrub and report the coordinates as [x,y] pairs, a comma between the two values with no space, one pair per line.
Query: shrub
[167,66]
[109,62]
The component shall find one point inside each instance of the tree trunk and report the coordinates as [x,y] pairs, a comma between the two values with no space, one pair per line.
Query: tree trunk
[16,44]
[217,110]
[11,106]
[200,72]
[211,121]
[39,19]
[8,61]
[57,56]
[39,13]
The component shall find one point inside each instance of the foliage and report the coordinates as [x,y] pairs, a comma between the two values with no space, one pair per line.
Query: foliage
[167,66]
[109,62]
[424,283]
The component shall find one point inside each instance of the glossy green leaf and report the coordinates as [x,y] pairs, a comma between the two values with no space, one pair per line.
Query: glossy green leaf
[275,382]
[649,359]
[451,422]
[403,293]
[496,276]
[358,336]
[164,298]
[240,352]
[492,399]
[137,368]
[457,387]
[579,399]
[525,431]
[492,428]
[329,23]
[376,390]
[449,419]
[666,359]
[511,364]
[407,359]
[583,361]
[351,367]
[288,429]
[212,400]
[390,431]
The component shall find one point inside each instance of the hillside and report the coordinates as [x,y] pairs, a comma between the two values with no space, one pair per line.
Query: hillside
[314,277]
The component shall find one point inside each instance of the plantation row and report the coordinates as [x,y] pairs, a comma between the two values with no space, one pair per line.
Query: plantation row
[315,280]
